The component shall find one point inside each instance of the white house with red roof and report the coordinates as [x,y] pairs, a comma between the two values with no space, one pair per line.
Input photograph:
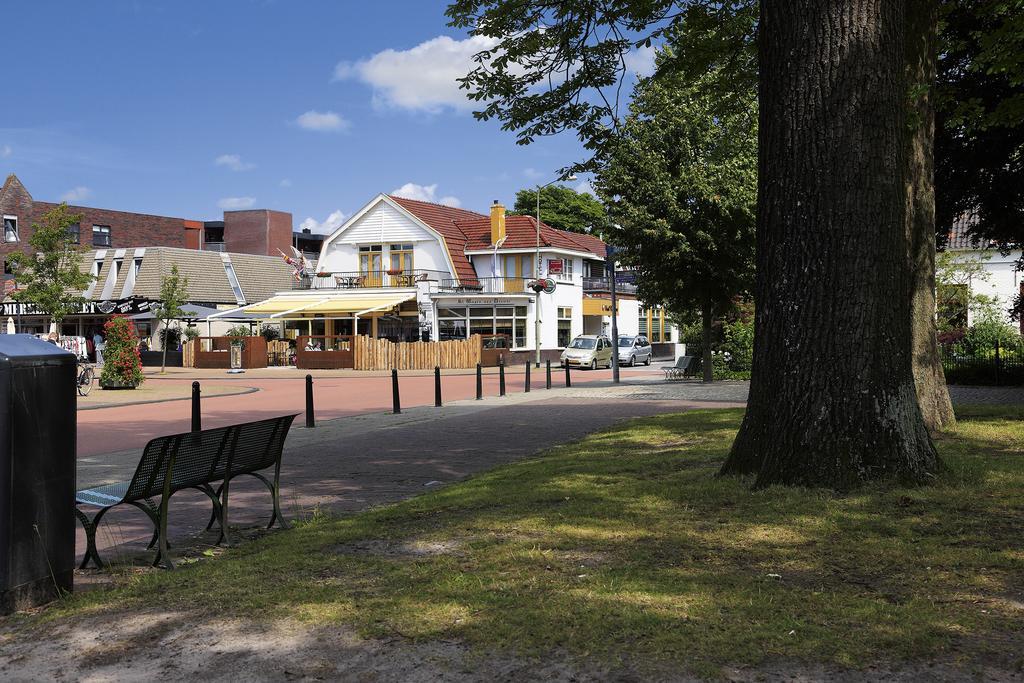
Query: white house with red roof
[406,269]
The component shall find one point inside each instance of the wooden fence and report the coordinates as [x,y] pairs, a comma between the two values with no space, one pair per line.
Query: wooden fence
[381,354]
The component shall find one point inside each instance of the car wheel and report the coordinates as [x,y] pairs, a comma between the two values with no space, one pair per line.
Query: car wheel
[632,360]
[593,364]
[648,361]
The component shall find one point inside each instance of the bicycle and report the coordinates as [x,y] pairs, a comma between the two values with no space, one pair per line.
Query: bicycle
[85,377]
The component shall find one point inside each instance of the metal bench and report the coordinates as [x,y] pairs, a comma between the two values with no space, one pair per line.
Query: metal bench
[678,371]
[194,460]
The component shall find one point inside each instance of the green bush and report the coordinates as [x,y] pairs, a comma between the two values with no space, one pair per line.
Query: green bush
[122,365]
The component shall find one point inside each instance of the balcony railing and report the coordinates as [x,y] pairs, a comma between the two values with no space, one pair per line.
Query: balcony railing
[370,280]
[488,285]
[214,246]
[603,284]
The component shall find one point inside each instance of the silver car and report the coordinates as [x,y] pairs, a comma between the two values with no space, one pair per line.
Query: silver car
[633,350]
[588,351]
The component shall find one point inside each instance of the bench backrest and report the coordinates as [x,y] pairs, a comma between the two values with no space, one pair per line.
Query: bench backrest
[683,362]
[205,456]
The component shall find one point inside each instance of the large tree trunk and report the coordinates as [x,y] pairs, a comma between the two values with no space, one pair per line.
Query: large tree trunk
[922,51]
[707,362]
[832,401]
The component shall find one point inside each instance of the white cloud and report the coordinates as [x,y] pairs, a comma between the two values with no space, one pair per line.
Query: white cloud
[5,151]
[236,203]
[640,61]
[585,186]
[326,121]
[76,194]
[421,78]
[329,225]
[285,183]
[234,162]
[532,174]
[425,193]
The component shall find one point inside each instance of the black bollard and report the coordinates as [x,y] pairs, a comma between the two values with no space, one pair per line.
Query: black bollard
[526,386]
[479,383]
[547,379]
[501,376]
[437,387]
[397,409]
[568,381]
[310,420]
[197,416]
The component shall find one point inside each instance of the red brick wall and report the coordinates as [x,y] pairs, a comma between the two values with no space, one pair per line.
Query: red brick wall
[257,231]
[126,229]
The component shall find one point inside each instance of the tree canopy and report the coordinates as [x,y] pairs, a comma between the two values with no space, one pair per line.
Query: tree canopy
[563,208]
[979,144]
[173,295]
[680,179]
[50,276]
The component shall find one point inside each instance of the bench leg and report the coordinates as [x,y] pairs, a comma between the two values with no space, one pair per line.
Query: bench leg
[225,534]
[275,494]
[90,538]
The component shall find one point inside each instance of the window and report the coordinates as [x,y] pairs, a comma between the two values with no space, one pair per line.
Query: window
[75,233]
[401,258]
[138,266]
[652,324]
[117,268]
[101,235]
[371,264]
[236,288]
[97,268]
[10,228]
[564,326]
[566,273]
[459,323]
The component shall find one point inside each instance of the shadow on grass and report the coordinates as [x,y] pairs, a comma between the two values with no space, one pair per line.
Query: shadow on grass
[626,546]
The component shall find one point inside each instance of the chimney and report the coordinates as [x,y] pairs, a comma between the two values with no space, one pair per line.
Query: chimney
[497,222]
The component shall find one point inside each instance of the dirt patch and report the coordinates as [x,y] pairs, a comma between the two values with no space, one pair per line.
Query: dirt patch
[148,646]
[404,549]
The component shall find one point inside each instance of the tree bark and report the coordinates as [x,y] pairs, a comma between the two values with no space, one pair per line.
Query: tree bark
[707,363]
[922,30]
[832,400]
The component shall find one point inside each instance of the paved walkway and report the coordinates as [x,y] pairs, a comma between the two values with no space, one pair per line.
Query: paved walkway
[355,462]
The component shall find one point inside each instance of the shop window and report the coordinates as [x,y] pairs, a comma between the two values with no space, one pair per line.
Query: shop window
[458,323]
[101,236]
[564,326]
[10,228]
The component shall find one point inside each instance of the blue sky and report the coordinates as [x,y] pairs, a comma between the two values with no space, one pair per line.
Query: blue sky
[185,108]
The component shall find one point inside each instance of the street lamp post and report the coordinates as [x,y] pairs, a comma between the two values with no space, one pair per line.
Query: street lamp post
[536,276]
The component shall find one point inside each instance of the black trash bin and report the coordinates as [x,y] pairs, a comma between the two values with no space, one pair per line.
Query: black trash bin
[37,471]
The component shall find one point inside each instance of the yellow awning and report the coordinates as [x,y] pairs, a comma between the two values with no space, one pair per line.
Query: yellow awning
[333,304]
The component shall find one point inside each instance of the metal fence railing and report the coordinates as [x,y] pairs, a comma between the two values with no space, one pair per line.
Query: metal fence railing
[998,364]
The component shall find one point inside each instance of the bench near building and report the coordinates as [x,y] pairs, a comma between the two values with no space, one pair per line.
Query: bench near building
[407,270]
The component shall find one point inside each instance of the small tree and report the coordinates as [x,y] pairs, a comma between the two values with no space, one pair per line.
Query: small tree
[173,295]
[51,277]
[122,366]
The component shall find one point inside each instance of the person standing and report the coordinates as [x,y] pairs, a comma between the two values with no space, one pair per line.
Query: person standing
[98,344]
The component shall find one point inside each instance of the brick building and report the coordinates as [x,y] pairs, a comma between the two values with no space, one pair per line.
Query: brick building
[100,228]
[256,231]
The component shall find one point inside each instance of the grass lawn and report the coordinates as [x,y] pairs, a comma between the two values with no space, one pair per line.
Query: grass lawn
[625,547]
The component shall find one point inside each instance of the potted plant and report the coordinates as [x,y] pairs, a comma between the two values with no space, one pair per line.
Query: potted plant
[394,271]
[237,335]
[122,365]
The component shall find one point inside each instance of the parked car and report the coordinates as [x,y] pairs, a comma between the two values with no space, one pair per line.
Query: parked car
[633,350]
[588,351]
